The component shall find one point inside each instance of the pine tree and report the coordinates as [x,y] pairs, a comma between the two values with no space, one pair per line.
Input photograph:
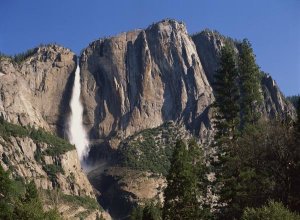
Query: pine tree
[226,121]
[183,190]
[152,212]
[263,164]
[298,118]
[294,198]
[7,196]
[227,96]
[273,210]
[250,87]
[21,201]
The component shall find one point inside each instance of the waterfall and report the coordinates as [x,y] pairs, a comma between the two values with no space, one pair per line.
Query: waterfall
[77,133]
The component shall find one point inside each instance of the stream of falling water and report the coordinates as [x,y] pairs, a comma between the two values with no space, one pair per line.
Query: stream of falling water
[77,134]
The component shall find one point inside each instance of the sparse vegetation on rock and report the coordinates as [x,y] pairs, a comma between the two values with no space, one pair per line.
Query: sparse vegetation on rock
[150,149]
[19,200]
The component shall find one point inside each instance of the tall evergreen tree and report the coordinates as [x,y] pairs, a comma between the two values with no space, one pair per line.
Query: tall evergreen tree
[294,198]
[184,187]
[237,97]
[227,96]
[21,201]
[298,118]
[226,120]
[263,164]
[250,87]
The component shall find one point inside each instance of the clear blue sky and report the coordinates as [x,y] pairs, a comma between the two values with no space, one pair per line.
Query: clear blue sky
[273,26]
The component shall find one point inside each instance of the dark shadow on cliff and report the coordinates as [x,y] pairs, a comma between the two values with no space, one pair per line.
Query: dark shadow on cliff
[103,80]
[64,108]
[113,198]
[101,152]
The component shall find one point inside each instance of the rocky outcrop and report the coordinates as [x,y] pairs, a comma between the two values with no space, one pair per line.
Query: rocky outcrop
[209,44]
[275,103]
[20,155]
[123,188]
[130,83]
[36,90]
[134,83]
[143,78]
[137,173]
[59,178]
[151,149]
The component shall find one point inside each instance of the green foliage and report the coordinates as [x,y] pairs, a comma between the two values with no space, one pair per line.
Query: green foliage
[185,184]
[149,150]
[4,56]
[294,198]
[38,155]
[262,164]
[31,209]
[137,213]
[8,129]
[294,100]
[10,191]
[52,214]
[19,58]
[21,201]
[240,180]
[150,211]
[57,146]
[227,96]
[84,201]
[31,191]
[273,211]
[52,170]
[250,88]
[298,119]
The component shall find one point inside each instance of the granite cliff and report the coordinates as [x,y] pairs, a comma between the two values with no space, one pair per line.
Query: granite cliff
[34,94]
[143,78]
[37,90]
[132,84]
[209,44]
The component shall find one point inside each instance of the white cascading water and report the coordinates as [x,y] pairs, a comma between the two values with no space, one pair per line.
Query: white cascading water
[77,133]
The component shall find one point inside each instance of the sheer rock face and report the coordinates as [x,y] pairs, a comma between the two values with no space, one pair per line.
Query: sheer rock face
[122,189]
[209,44]
[36,92]
[143,78]
[275,104]
[20,155]
[131,82]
